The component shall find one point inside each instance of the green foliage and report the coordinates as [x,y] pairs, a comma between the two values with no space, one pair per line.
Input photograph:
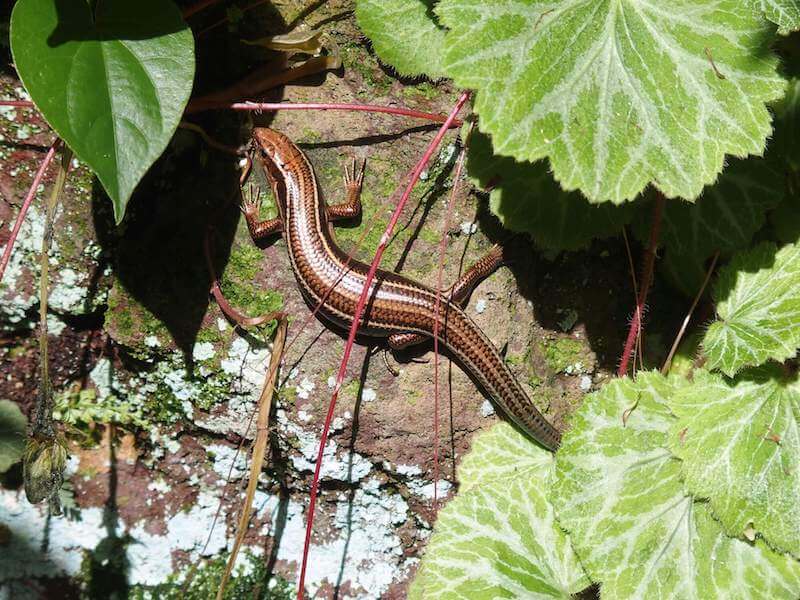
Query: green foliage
[404,34]
[12,434]
[82,408]
[784,13]
[618,95]
[498,538]
[758,308]
[112,79]
[527,199]
[247,581]
[740,445]
[636,529]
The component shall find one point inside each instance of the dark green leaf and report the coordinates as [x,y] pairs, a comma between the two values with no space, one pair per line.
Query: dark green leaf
[527,199]
[12,434]
[113,84]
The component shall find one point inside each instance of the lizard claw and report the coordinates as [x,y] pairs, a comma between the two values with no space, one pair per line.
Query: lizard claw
[354,177]
[250,204]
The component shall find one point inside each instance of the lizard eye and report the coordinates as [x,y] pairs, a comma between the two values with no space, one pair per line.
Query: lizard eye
[263,153]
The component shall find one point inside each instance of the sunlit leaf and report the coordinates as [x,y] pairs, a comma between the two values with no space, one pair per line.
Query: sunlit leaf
[784,13]
[498,538]
[112,82]
[637,531]
[758,309]
[740,443]
[404,34]
[617,94]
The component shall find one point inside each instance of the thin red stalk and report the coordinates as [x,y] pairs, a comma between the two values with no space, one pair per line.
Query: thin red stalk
[439,272]
[632,270]
[19,103]
[273,106]
[685,324]
[647,278]
[196,8]
[362,300]
[26,204]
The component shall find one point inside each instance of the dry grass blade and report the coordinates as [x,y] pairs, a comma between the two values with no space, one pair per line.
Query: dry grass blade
[259,447]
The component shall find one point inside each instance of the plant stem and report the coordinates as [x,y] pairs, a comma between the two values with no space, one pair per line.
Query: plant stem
[647,277]
[18,103]
[439,272]
[259,448]
[387,234]
[26,204]
[274,106]
[197,7]
[43,421]
[685,324]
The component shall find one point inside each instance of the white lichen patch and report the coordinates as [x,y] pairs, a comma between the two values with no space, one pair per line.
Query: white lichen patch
[487,409]
[305,388]
[369,395]
[71,287]
[227,461]
[203,351]
[150,556]
[22,556]
[366,551]
[350,466]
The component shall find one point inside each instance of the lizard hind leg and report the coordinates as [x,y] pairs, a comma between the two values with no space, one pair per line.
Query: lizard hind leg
[460,291]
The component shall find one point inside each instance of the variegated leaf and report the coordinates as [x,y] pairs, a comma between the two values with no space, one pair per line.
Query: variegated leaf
[740,443]
[618,95]
[758,309]
[498,537]
[637,531]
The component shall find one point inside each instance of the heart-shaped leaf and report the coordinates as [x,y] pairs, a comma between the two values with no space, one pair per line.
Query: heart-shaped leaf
[112,82]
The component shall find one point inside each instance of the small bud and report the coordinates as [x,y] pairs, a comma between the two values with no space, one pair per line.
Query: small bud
[43,468]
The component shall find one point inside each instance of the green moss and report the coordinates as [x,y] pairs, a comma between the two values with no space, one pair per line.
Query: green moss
[562,353]
[237,284]
[425,90]
[204,583]
[515,359]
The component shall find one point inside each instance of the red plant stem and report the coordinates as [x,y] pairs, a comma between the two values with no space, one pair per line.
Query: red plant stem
[273,106]
[19,103]
[362,300]
[26,204]
[196,8]
[439,272]
[647,277]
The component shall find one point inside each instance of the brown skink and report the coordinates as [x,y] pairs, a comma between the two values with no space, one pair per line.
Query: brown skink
[397,307]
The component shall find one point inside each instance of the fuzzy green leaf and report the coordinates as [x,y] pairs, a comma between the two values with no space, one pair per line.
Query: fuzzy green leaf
[498,537]
[787,126]
[12,434]
[637,531]
[527,199]
[758,308]
[617,94]
[784,13]
[404,34]
[112,82]
[725,217]
[741,449]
